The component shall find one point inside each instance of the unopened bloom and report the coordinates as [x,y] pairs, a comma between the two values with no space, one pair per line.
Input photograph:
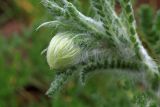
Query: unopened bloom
[62,51]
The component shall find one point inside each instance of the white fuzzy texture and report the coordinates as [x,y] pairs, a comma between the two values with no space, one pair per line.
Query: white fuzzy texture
[88,21]
[148,61]
[62,52]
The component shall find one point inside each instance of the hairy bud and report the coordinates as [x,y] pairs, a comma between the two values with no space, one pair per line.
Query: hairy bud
[62,52]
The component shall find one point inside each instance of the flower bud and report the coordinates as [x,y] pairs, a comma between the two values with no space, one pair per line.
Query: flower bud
[62,51]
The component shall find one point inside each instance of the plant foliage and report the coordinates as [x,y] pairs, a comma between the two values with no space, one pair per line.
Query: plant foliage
[107,40]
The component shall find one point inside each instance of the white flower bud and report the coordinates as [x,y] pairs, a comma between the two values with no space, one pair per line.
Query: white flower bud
[62,51]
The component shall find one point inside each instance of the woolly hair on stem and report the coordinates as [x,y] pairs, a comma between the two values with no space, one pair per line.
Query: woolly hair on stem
[109,41]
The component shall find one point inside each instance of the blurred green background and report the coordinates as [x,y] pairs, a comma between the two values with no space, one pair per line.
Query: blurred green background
[25,75]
